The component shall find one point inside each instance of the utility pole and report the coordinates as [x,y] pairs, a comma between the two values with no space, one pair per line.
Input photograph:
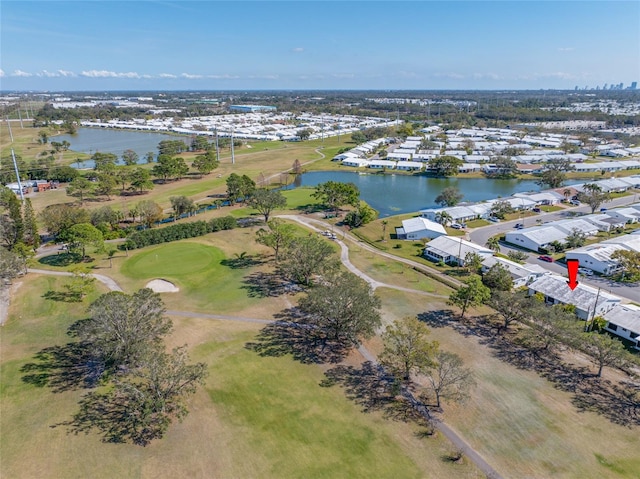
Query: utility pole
[15,165]
[20,116]
[10,133]
[233,156]
[589,324]
[217,148]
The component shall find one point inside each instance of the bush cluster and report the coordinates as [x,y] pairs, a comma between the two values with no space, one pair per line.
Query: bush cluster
[176,232]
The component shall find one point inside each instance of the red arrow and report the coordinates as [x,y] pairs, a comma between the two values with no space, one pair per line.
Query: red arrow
[572,267]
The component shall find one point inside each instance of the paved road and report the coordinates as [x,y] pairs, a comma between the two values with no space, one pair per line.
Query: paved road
[108,282]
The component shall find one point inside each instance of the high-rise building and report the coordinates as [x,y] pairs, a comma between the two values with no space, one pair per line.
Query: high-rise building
[634,85]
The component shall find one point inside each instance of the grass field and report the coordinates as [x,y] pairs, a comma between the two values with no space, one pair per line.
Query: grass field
[257,416]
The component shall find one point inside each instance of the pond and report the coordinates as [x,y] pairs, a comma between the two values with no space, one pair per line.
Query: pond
[91,140]
[399,194]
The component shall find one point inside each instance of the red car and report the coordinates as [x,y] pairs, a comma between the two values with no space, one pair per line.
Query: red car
[546,258]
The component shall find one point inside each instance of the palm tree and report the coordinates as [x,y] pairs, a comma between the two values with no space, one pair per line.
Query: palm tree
[566,193]
[443,218]
[493,244]
[384,228]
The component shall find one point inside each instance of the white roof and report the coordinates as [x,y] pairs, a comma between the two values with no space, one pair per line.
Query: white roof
[576,224]
[583,296]
[600,252]
[626,316]
[541,235]
[454,246]
[516,270]
[413,225]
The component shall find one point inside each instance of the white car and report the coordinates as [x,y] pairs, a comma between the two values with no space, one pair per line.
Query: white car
[585,271]
[456,226]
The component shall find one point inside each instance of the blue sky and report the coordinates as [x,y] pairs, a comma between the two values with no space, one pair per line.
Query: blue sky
[198,45]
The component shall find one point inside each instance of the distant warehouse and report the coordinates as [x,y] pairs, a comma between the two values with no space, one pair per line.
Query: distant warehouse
[251,108]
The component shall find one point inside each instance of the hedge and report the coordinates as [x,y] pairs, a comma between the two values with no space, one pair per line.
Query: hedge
[175,232]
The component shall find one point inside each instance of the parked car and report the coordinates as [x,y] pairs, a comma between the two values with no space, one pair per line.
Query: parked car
[536,210]
[585,271]
[456,226]
[546,258]
[519,226]
[493,219]
[602,210]
[575,202]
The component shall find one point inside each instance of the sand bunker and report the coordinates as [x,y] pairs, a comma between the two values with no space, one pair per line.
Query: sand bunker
[162,286]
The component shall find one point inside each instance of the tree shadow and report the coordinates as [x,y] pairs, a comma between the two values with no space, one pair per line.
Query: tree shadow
[437,319]
[304,343]
[263,285]
[117,420]
[61,259]
[241,261]
[63,296]
[64,368]
[373,389]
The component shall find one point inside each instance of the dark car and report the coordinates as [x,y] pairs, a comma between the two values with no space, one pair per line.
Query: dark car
[546,258]
[536,210]
[519,226]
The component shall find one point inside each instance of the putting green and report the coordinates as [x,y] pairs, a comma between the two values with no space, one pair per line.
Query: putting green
[173,259]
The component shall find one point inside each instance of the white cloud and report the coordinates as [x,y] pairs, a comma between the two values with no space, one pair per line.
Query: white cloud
[20,73]
[56,74]
[451,75]
[190,76]
[108,74]
[226,76]
[1,73]
[343,75]
[297,49]
[482,76]
[566,49]
[264,77]
[167,75]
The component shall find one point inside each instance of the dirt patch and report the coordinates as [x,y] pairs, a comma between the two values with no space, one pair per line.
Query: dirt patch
[162,286]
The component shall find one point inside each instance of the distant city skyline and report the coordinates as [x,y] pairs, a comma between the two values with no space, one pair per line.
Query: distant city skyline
[265,45]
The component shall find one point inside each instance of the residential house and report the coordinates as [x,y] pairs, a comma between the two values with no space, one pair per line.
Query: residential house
[419,228]
[589,301]
[453,250]
[536,238]
[623,320]
[597,257]
[521,274]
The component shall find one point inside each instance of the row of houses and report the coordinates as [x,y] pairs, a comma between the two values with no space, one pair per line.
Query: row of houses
[537,238]
[622,320]
[33,186]
[598,257]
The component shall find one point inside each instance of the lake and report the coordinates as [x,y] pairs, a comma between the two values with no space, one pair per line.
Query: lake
[389,194]
[399,194]
[91,140]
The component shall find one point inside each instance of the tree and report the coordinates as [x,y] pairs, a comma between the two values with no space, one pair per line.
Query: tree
[342,310]
[278,237]
[473,294]
[130,157]
[445,165]
[448,379]
[106,183]
[81,235]
[181,205]
[498,278]
[500,209]
[31,235]
[265,201]
[80,188]
[503,168]
[493,244]
[517,256]
[604,350]
[150,212]
[304,134]
[629,262]
[472,262]
[296,169]
[512,307]
[59,217]
[12,225]
[141,179]
[171,147]
[575,239]
[206,163]
[11,265]
[449,196]
[358,137]
[234,187]
[554,175]
[63,174]
[142,403]
[443,218]
[306,257]
[80,285]
[123,176]
[169,167]
[361,216]
[149,157]
[406,348]
[384,229]
[104,161]
[247,187]
[123,328]
[199,143]
[593,196]
[334,194]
